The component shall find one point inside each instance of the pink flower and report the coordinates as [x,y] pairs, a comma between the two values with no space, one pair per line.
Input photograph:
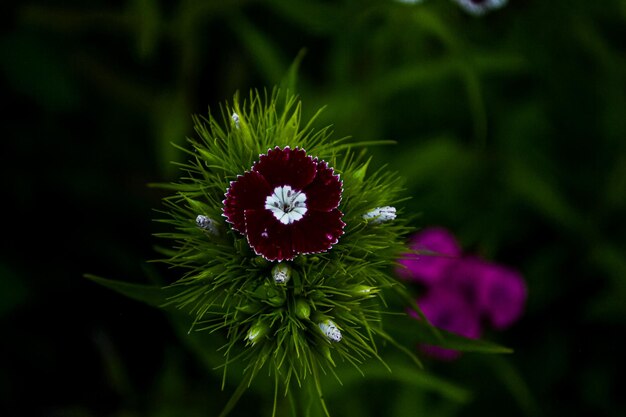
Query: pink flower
[286,205]
[461,291]
[439,250]
[450,311]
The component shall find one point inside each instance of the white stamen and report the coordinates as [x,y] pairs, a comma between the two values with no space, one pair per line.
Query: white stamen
[330,330]
[206,223]
[286,204]
[281,273]
[235,118]
[380,214]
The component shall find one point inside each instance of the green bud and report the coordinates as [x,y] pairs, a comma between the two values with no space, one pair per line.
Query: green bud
[256,332]
[250,308]
[260,261]
[303,310]
[325,351]
[276,301]
[363,291]
[317,294]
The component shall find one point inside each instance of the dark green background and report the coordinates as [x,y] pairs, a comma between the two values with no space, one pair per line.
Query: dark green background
[510,130]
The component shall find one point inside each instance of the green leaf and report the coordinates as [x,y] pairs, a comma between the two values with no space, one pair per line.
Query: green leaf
[290,80]
[539,193]
[401,372]
[149,294]
[145,15]
[14,290]
[412,331]
[266,54]
[359,174]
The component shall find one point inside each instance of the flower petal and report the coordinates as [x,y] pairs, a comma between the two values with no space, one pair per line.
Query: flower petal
[286,167]
[440,250]
[267,236]
[317,232]
[501,295]
[248,191]
[448,310]
[324,193]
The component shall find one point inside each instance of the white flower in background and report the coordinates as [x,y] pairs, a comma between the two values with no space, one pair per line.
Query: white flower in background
[480,7]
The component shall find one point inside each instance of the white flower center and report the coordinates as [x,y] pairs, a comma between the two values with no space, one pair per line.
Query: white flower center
[286,204]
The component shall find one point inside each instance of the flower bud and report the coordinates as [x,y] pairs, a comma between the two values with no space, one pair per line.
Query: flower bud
[317,294]
[276,301]
[325,351]
[270,294]
[363,291]
[256,332]
[330,330]
[235,118]
[250,308]
[380,214]
[206,223]
[281,273]
[303,310]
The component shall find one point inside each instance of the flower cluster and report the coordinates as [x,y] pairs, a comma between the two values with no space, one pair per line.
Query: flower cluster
[461,292]
[284,258]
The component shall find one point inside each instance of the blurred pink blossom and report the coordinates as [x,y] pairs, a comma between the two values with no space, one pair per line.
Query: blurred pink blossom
[461,292]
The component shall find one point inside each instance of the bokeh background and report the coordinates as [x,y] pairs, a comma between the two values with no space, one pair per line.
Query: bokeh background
[510,131]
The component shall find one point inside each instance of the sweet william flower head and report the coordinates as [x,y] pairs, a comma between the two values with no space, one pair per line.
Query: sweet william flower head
[286,205]
[293,248]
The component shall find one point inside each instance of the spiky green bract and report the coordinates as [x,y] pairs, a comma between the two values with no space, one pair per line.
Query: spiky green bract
[227,288]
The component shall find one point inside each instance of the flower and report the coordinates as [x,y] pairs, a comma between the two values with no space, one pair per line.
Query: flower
[450,311]
[480,7]
[286,205]
[426,268]
[461,291]
[293,319]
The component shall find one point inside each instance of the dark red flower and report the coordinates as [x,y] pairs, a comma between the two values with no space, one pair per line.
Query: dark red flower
[286,205]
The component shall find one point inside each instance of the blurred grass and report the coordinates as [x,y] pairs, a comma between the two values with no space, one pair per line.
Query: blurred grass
[510,131]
